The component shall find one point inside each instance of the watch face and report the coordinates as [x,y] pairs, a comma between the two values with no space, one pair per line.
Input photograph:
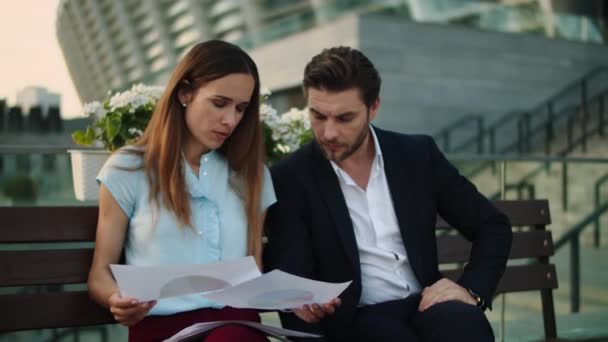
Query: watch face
[476,297]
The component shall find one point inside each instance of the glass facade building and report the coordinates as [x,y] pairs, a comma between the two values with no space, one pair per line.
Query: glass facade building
[111,44]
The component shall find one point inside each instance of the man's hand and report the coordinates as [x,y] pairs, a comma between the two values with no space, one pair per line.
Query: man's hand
[128,311]
[315,312]
[442,291]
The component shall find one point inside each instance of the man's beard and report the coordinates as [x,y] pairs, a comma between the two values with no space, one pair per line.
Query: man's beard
[349,149]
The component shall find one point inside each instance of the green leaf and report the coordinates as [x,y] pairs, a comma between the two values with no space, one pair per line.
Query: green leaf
[306,137]
[85,138]
[112,126]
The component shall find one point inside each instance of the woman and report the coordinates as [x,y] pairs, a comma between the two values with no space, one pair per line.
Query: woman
[193,189]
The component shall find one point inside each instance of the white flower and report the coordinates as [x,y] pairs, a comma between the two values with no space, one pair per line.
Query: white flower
[139,95]
[267,113]
[135,132]
[287,129]
[94,109]
[265,92]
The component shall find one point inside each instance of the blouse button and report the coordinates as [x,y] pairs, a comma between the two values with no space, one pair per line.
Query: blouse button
[200,233]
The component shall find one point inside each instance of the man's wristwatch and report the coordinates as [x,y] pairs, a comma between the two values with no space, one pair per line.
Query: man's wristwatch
[477,297]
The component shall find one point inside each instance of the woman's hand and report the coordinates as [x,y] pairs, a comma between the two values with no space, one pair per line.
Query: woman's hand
[128,311]
[315,312]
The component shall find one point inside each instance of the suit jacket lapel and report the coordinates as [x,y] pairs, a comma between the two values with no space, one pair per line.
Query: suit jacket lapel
[399,176]
[334,199]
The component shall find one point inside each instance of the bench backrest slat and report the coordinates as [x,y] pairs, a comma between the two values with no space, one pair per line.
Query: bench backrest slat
[520,212]
[41,267]
[48,267]
[533,242]
[536,276]
[50,310]
[48,224]
[527,244]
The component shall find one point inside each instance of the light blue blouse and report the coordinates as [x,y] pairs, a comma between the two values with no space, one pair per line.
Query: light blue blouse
[155,238]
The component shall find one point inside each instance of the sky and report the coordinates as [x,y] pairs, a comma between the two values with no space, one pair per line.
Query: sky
[30,53]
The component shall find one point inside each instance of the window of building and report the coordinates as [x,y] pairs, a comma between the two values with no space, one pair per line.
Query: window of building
[24,163]
[48,162]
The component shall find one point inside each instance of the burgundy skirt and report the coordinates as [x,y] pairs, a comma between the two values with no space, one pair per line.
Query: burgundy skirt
[158,328]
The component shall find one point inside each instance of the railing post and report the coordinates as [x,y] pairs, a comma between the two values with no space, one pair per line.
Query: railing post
[570,133]
[492,137]
[565,186]
[596,224]
[549,128]
[585,113]
[528,134]
[521,134]
[480,135]
[503,196]
[531,191]
[601,117]
[574,274]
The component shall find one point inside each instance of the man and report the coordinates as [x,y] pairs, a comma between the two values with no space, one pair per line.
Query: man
[360,203]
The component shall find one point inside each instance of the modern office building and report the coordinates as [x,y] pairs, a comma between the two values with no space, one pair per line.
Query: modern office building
[111,44]
[40,97]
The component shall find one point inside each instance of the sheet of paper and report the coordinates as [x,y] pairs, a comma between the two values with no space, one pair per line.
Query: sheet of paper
[155,282]
[277,290]
[200,328]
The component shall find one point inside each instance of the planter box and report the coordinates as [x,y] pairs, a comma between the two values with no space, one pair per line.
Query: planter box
[85,167]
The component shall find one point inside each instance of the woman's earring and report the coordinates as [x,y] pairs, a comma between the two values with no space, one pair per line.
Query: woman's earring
[184,104]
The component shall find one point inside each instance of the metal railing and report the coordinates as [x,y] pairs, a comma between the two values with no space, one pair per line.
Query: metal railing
[444,136]
[546,129]
[596,205]
[572,237]
[525,131]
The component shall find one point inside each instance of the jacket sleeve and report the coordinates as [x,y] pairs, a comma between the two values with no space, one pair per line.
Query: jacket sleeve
[474,216]
[289,245]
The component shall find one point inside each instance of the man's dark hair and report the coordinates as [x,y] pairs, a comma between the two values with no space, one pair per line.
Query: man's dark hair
[342,68]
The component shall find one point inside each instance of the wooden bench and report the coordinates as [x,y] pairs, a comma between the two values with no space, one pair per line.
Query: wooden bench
[44,249]
[55,265]
[531,241]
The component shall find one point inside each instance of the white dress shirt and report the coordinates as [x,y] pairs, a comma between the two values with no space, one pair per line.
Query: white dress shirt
[386,273]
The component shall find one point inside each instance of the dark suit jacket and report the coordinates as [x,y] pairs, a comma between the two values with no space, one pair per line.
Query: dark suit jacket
[311,234]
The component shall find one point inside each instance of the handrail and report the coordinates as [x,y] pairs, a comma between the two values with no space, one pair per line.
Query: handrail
[464,157]
[549,126]
[579,227]
[444,133]
[456,157]
[572,236]
[459,122]
[574,84]
[596,204]
[571,145]
[43,149]
[508,117]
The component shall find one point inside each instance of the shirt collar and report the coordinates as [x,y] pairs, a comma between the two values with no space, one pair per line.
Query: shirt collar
[200,186]
[377,163]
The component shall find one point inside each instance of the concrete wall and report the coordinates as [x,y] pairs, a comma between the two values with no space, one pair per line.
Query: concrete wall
[433,74]
[281,62]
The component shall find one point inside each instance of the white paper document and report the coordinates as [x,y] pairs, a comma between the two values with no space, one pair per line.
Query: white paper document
[155,282]
[198,329]
[277,290]
[237,283]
